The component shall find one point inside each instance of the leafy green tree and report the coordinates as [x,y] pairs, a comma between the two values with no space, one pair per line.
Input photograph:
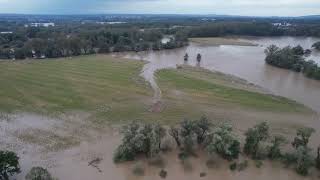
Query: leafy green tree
[316,45]
[9,164]
[174,132]
[38,173]
[298,50]
[187,134]
[254,136]
[202,129]
[304,160]
[224,142]
[302,138]
[274,151]
[159,133]
[139,139]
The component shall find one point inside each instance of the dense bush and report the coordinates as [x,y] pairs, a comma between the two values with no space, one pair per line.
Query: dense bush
[39,173]
[224,142]
[316,45]
[274,151]
[9,164]
[292,58]
[139,139]
[254,136]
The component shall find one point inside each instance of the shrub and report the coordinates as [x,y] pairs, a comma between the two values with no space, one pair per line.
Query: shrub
[274,151]
[39,173]
[233,166]
[203,174]
[163,174]
[224,142]
[139,139]
[254,136]
[304,161]
[9,164]
[259,163]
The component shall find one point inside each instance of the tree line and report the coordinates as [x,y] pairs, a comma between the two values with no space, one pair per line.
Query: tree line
[74,40]
[293,58]
[258,28]
[148,139]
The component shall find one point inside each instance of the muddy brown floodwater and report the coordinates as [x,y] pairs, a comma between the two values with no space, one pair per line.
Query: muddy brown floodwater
[21,132]
[246,62]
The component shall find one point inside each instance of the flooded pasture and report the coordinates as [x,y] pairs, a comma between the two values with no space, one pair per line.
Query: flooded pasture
[246,62]
[87,152]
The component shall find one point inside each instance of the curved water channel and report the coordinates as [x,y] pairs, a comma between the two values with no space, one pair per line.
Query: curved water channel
[246,62]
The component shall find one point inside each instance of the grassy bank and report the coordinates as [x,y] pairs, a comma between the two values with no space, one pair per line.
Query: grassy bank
[197,90]
[89,83]
[216,41]
[112,91]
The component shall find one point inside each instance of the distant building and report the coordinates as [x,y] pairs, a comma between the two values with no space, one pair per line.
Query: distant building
[282,24]
[50,24]
[6,32]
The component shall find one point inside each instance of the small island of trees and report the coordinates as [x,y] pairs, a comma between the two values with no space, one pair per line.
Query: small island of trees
[292,58]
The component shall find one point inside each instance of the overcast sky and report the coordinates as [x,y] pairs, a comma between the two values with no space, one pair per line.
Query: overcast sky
[223,7]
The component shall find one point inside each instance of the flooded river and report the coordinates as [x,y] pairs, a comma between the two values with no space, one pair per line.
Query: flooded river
[246,62]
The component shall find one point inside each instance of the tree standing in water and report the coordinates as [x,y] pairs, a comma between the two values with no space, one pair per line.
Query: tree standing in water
[199,58]
[186,57]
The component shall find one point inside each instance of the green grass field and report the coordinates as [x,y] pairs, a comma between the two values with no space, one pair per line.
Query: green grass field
[90,83]
[112,90]
[212,88]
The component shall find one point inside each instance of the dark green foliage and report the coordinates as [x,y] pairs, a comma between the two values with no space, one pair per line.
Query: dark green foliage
[62,41]
[316,45]
[274,151]
[224,142]
[203,174]
[298,50]
[187,134]
[163,174]
[202,129]
[302,138]
[39,173]
[175,134]
[259,163]
[254,136]
[233,166]
[304,160]
[287,57]
[139,139]
[291,58]
[9,164]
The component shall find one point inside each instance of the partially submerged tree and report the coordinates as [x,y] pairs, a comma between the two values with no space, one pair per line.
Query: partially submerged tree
[9,164]
[254,136]
[274,151]
[202,129]
[187,134]
[316,45]
[145,139]
[304,160]
[39,173]
[174,132]
[302,138]
[224,142]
